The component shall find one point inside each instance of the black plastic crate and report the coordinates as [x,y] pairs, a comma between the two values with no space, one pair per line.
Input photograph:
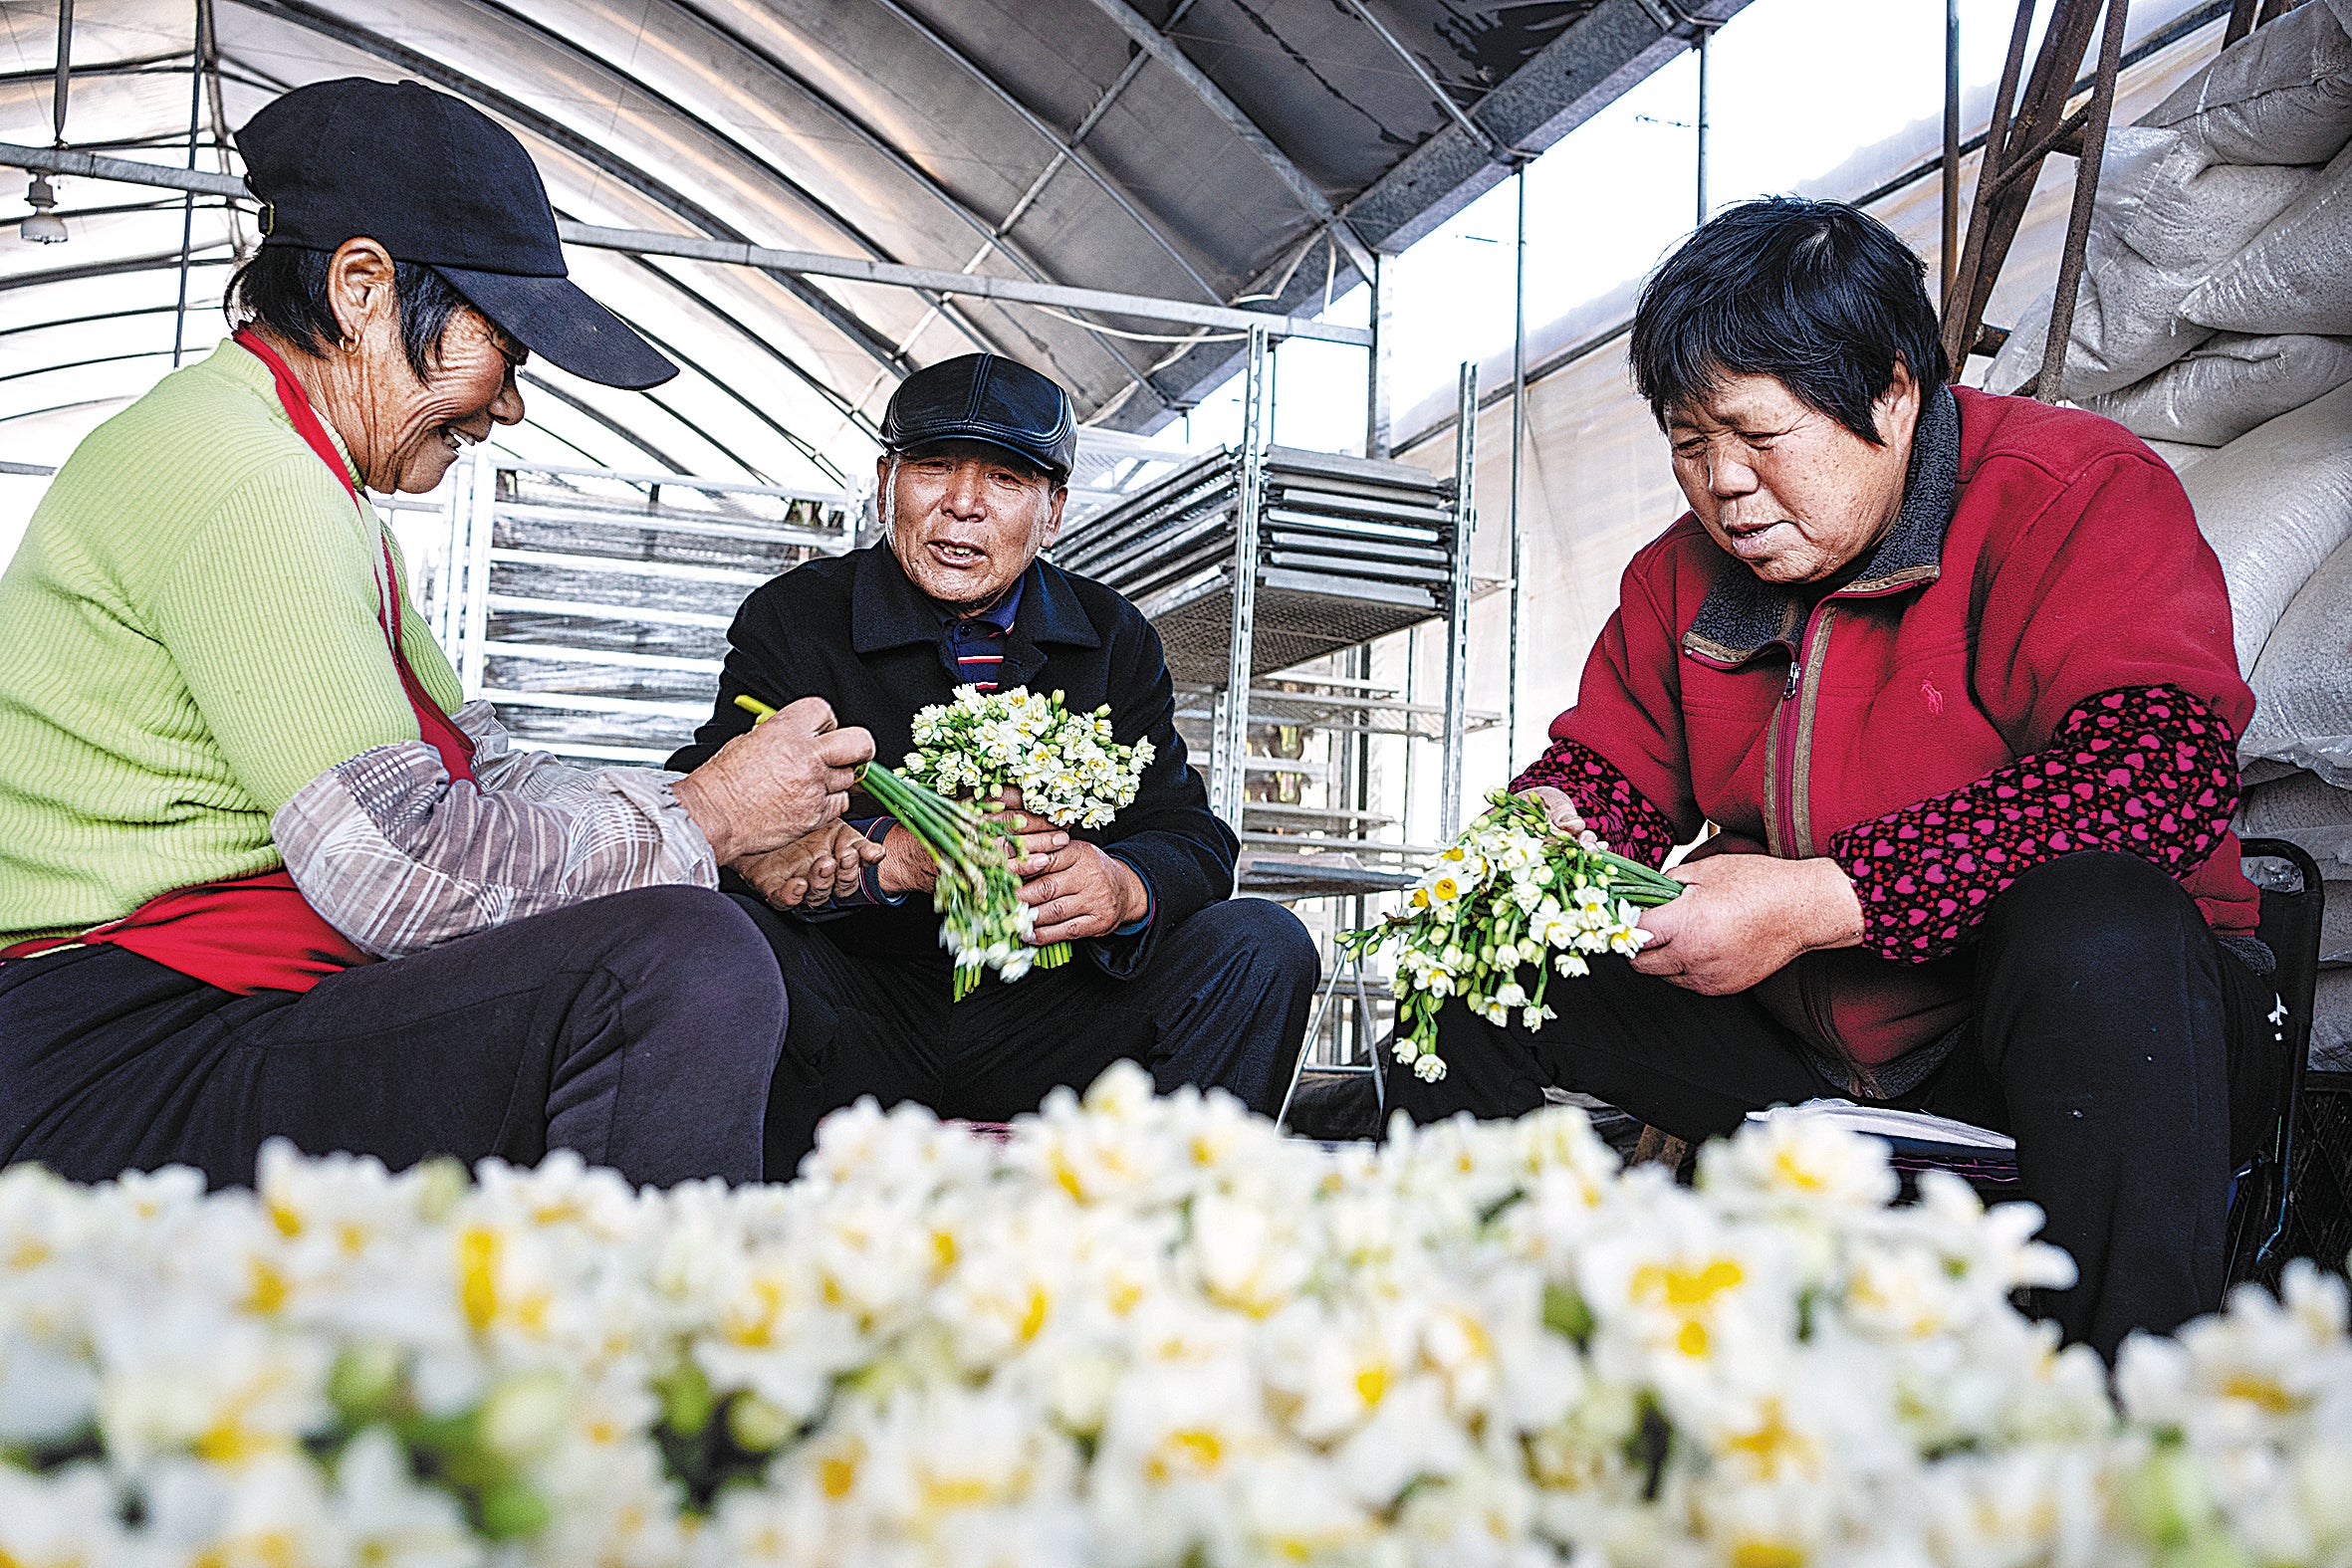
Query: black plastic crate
[2319,1201]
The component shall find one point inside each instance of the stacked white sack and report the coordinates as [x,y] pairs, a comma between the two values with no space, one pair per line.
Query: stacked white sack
[2274,504]
[2213,218]
[2215,321]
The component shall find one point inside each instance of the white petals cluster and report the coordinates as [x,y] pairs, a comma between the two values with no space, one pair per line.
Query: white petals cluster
[1144,1331]
[1070,768]
[1499,912]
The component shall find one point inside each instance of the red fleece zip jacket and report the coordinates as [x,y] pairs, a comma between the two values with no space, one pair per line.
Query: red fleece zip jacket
[1995,657]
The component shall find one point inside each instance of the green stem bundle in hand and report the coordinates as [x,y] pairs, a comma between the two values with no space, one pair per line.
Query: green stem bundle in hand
[1513,892]
[982,921]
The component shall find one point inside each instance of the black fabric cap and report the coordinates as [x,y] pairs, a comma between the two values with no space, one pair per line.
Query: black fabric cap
[433,179]
[982,398]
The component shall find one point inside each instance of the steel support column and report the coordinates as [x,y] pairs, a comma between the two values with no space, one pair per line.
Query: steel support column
[1232,747]
[1377,379]
[1449,810]
[1519,443]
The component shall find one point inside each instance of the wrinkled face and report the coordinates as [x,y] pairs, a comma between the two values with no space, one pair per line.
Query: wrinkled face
[1785,489]
[413,429]
[966,519]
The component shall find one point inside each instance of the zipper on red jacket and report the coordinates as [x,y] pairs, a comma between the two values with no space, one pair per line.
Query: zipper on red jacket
[1790,745]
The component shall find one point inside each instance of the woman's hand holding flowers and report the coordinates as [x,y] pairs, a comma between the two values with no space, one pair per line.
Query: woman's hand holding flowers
[1744,917]
[1558,807]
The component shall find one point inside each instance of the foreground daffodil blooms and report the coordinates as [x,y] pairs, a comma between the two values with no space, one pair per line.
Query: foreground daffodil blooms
[1144,1331]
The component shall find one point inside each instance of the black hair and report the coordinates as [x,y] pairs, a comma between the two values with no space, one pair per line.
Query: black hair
[1816,293]
[283,287]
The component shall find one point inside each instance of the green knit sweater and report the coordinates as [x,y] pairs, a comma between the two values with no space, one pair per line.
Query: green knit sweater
[187,636]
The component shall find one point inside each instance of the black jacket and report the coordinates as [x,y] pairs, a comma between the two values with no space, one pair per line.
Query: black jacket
[853,630]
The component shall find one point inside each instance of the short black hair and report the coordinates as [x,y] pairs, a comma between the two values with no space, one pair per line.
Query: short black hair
[1818,294]
[285,288]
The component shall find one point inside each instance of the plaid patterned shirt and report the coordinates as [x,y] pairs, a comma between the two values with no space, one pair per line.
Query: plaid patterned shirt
[399,858]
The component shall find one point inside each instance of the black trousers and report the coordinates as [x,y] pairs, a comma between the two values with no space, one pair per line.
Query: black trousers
[640,1030]
[2106,1018]
[1221,1003]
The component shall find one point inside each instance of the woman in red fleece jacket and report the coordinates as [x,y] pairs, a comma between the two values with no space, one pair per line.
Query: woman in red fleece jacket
[1952,676]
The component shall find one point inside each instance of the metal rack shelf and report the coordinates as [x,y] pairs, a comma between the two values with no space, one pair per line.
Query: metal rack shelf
[1350,550]
[592,607]
[1255,559]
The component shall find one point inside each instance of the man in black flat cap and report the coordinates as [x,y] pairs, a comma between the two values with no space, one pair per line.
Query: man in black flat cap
[1170,970]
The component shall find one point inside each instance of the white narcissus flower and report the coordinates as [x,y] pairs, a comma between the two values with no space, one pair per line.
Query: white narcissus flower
[391,1521]
[71,1518]
[1151,1330]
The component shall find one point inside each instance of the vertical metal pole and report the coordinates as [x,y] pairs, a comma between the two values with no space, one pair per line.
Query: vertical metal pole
[445,614]
[65,69]
[1519,442]
[1360,796]
[1449,810]
[2086,191]
[187,211]
[1225,791]
[1412,728]
[481,519]
[1705,38]
[1377,374]
[1948,256]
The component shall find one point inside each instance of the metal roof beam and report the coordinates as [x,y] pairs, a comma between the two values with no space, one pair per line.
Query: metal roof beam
[991,236]
[583,407]
[1018,289]
[833,312]
[1067,148]
[1165,51]
[1592,62]
[855,268]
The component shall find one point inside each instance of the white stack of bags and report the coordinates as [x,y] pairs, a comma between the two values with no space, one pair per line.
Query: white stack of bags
[2215,321]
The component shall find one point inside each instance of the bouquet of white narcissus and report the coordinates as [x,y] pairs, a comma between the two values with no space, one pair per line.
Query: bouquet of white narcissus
[1145,1333]
[1068,767]
[1511,894]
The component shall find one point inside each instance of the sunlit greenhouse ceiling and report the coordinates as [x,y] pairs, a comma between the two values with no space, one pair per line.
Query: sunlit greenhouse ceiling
[1216,151]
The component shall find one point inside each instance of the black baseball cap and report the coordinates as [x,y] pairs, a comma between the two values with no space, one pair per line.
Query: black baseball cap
[983,397]
[433,179]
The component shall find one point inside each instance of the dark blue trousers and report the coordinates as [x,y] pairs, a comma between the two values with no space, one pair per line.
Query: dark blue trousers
[640,1029]
[1222,1002]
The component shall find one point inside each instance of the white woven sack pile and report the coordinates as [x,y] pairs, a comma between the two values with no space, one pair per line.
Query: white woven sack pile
[2215,321]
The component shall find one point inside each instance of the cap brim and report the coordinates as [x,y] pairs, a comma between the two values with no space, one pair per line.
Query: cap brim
[555,319]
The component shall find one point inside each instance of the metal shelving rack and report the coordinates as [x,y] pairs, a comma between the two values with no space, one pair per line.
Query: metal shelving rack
[592,607]
[1268,573]
[1256,560]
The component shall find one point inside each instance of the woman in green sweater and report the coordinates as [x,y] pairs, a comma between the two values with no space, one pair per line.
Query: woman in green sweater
[260,873]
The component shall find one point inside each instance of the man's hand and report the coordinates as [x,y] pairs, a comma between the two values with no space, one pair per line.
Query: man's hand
[906,865]
[1742,918]
[1037,838]
[1557,806]
[1079,891]
[774,782]
[813,870]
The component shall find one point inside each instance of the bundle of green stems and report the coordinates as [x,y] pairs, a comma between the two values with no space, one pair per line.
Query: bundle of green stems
[983,922]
